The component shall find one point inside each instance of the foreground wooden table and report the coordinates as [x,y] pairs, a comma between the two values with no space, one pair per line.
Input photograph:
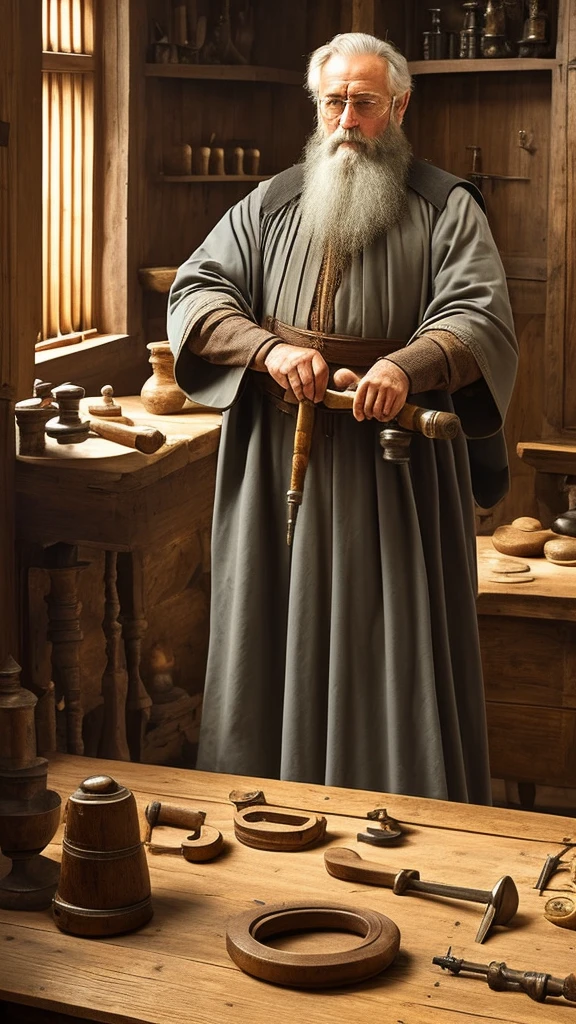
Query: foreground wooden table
[176,969]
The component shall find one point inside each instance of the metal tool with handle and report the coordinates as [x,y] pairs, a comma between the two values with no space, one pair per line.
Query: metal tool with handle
[501,901]
[395,438]
[430,422]
[500,977]
[69,427]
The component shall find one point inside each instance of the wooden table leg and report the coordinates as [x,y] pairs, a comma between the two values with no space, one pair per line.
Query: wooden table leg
[134,626]
[113,742]
[64,631]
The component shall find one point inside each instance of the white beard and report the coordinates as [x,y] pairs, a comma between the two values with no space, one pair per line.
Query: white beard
[351,196]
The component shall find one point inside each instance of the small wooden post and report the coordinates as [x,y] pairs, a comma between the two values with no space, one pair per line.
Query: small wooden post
[113,742]
[64,631]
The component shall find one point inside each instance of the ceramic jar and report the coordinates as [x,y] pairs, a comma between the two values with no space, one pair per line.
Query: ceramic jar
[160,394]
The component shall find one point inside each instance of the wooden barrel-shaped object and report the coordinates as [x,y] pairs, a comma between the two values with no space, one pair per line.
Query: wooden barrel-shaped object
[104,886]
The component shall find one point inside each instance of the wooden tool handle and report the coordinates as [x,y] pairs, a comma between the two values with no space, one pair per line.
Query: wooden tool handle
[170,814]
[430,422]
[349,865]
[302,442]
[144,439]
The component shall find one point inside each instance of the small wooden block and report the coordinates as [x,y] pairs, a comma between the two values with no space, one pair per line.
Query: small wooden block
[507,578]
[505,563]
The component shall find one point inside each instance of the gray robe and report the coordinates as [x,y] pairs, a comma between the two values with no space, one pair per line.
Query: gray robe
[351,659]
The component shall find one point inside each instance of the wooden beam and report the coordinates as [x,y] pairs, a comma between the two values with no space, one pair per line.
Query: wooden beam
[560,210]
[363,16]
[20,263]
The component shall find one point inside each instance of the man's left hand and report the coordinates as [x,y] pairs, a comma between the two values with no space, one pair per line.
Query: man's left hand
[380,394]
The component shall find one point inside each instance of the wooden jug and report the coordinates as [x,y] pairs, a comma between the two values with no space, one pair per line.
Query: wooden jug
[104,884]
[160,394]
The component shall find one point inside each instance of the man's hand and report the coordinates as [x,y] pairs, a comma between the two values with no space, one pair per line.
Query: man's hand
[303,370]
[380,394]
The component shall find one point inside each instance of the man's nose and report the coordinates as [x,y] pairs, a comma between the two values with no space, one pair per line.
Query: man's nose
[348,118]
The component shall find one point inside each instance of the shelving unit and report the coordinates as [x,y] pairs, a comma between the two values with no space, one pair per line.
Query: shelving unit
[261,105]
[211,179]
[482,64]
[518,112]
[225,73]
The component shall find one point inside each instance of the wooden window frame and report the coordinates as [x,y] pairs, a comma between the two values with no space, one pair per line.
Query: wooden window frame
[119,49]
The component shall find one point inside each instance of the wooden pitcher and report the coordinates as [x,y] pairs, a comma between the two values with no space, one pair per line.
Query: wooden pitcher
[104,884]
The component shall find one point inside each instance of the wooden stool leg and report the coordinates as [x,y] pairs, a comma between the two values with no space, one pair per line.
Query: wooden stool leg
[113,742]
[64,631]
[134,626]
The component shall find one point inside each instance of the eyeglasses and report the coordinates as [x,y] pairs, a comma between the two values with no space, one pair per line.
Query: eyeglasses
[332,107]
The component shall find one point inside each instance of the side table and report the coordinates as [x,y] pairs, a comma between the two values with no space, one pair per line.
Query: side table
[528,643]
[103,495]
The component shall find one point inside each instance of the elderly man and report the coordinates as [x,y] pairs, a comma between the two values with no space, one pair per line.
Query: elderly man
[351,657]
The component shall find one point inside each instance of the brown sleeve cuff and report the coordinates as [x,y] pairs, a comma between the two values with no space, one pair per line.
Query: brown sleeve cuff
[227,338]
[437,361]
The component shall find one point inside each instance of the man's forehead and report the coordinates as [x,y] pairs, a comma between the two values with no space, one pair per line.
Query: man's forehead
[362,72]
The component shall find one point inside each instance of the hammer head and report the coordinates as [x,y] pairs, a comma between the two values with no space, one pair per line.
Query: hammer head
[395,443]
[68,427]
[501,907]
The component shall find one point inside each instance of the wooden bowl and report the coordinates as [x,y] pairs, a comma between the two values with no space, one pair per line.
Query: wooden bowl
[524,537]
[29,829]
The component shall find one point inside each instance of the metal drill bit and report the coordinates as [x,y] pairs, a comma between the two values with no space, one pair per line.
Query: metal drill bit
[535,984]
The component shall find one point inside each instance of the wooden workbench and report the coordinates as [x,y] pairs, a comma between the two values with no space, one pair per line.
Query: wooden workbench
[528,643]
[176,970]
[144,521]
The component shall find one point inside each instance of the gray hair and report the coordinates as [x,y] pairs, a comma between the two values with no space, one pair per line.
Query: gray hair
[355,44]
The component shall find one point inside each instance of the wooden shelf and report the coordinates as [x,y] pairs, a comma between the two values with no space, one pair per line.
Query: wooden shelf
[157,279]
[197,179]
[548,456]
[480,64]
[226,72]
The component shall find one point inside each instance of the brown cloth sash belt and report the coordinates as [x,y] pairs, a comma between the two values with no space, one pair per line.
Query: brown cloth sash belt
[336,348]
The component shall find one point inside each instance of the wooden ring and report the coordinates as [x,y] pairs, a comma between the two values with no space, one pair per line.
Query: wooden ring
[264,827]
[381,941]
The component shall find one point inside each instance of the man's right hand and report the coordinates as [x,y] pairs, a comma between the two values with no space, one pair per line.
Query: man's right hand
[302,370]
